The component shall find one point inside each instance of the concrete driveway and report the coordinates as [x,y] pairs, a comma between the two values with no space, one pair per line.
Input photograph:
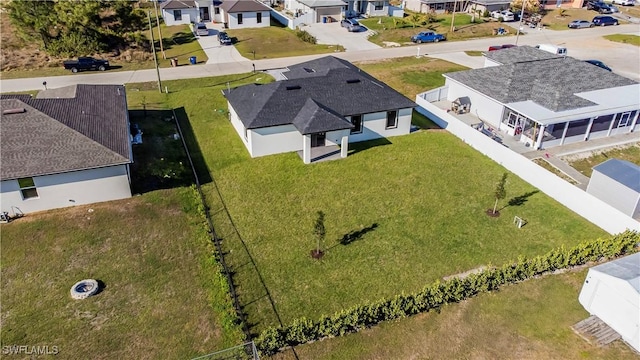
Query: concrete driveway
[333,33]
[215,52]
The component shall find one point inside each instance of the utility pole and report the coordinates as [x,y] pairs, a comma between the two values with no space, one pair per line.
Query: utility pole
[153,47]
[453,16]
[155,8]
[524,3]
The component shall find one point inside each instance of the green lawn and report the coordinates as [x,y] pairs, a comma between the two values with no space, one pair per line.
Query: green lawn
[558,19]
[529,320]
[625,39]
[585,165]
[275,42]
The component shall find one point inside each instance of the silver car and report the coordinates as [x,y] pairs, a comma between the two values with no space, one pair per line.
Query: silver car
[579,24]
[201,29]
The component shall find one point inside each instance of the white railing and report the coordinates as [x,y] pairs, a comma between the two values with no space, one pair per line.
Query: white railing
[435,94]
[582,203]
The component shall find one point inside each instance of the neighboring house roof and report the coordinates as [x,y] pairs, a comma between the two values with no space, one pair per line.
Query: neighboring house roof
[178,4]
[624,172]
[519,54]
[479,2]
[626,268]
[323,3]
[551,83]
[335,90]
[236,6]
[61,134]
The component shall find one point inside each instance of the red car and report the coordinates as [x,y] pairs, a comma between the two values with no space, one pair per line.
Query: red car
[499,47]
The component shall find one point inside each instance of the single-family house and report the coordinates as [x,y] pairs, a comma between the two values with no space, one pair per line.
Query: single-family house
[177,12]
[240,14]
[317,11]
[611,292]
[543,100]
[367,8]
[67,146]
[442,6]
[327,102]
[617,182]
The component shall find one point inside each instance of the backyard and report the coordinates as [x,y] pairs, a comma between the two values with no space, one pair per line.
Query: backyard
[585,162]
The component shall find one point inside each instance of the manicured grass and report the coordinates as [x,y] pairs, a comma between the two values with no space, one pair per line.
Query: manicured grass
[624,38]
[163,297]
[529,320]
[558,19]
[585,164]
[179,42]
[474,52]
[401,31]
[274,42]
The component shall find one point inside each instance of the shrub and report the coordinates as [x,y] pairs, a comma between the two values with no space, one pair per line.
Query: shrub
[306,37]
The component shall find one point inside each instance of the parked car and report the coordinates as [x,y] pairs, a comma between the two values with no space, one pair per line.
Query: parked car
[599,6]
[224,38]
[599,64]
[614,9]
[580,24]
[201,29]
[352,25]
[604,20]
[427,36]
[505,15]
[624,2]
[85,63]
[500,47]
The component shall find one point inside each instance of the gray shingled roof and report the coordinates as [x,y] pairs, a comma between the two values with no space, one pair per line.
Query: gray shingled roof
[342,91]
[519,54]
[624,172]
[57,135]
[236,6]
[323,3]
[178,4]
[315,118]
[550,83]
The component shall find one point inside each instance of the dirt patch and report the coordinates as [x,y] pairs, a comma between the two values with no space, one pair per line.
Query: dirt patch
[588,154]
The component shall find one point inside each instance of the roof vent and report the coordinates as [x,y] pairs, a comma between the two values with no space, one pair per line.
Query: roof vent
[294,87]
[309,70]
[14,111]
[353,81]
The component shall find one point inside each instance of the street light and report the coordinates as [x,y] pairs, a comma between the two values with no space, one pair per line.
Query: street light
[524,3]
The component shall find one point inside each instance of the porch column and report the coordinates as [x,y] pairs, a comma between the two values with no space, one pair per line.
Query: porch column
[635,121]
[564,133]
[306,148]
[538,143]
[586,134]
[344,146]
[611,125]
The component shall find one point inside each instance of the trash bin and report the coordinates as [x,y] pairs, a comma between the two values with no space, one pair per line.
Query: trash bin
[174,62]
[324,19]
[192,60]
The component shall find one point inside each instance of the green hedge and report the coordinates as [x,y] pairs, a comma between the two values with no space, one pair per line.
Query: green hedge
[439,293]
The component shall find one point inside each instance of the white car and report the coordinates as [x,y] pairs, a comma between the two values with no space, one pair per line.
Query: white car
[624,2]
[505,15]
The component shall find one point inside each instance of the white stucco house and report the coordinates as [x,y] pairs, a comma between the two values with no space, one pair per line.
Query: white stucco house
[326,102]
[611,292]
[177,12]
[317,11]
[240,14]
[544,100]
[67,146]
[617,182]
[441,6]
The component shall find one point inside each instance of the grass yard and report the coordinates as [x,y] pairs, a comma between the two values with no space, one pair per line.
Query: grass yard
[624,38]
[558,19]
[548,166]
[391,30]
[275,42]
[529,320]
[179,42]
[421,217]
[585,165]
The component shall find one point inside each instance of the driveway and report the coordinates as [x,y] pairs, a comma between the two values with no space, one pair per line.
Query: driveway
[333,33]
[217,53]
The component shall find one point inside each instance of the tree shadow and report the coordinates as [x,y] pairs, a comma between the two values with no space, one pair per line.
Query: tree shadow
[355,235]
[364,145]
[520,200]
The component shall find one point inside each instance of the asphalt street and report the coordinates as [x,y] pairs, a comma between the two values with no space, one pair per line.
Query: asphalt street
[582,44]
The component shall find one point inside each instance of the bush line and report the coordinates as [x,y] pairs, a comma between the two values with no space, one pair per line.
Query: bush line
[302,330]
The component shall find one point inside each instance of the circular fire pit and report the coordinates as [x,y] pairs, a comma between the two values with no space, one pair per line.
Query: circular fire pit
[84,288]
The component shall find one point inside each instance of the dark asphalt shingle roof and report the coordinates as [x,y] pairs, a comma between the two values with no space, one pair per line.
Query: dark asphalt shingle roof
[550,83]
[343,91]
[178,4]
[624,172]
[315,118]
[236,6]
[519,54]
[56,135]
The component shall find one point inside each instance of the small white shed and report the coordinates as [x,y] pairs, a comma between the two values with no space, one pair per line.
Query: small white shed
[611,292]
[617,182]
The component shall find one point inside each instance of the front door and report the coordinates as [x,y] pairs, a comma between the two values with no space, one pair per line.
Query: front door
[204,14]
[318,139]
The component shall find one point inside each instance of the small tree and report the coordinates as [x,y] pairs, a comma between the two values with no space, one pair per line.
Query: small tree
[319,232]
[500,193]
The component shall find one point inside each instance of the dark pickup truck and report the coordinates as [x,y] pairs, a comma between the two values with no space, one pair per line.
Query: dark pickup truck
[86,63]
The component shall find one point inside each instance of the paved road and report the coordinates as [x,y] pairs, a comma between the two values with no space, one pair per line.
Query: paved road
[582,44]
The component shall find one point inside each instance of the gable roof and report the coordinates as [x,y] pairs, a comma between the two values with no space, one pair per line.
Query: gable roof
[341,91]
[624,172]
[178,4]
[519,54]
[323,3]
[55,135]
[551,83]
[235,6]
[626,268]
[315,118]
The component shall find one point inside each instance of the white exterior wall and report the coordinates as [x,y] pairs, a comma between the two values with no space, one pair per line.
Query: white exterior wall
[275,140]
[239,126]
[374,126]
[188,16]
[615,302]
[249,20]
[68,189]
[482,106]
[371,9]
[614,194]
[335,137]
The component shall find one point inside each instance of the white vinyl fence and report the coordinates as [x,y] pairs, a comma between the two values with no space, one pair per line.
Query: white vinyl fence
[591,208]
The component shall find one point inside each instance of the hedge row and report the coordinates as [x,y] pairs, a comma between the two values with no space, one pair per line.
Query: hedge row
[439,293]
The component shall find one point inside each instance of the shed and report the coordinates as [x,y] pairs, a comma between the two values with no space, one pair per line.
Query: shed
[617,182]
[611,292]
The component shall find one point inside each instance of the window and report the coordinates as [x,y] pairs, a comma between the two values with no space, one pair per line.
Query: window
[27,188]
[259,17]
[378,5]
[577,128]
[356,120]
[216,10]
[239,19]
[392,119]
[177,15]
[624,120]
[602,123]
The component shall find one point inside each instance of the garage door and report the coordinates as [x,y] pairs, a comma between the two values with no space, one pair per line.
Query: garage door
[333,12]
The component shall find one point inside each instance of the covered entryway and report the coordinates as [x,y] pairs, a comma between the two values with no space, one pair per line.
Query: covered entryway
[318,139]
[204,14]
